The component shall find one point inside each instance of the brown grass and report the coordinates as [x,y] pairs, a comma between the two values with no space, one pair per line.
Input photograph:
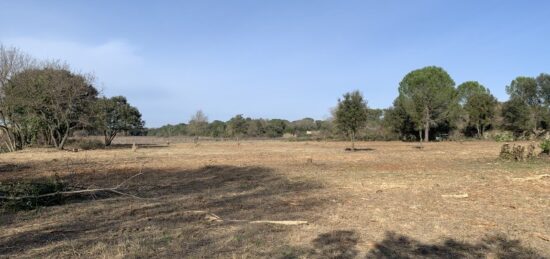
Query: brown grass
[390,201]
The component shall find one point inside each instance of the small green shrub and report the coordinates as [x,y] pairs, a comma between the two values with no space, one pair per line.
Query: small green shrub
[545,146]
[29,189]
[505,136]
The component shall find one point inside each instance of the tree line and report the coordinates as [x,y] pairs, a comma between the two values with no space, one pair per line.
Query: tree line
[429,106]
[243,127]
[44,103]
[428,102]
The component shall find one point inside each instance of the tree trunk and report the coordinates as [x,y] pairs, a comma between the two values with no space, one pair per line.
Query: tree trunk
[352,141]
[535,120]
[427,132]
[22,141]
[427,125]
[108,141]
[109,137]
[105,138]
[478,128]
[9,139]
[62,144]
[54,139]
[9,143]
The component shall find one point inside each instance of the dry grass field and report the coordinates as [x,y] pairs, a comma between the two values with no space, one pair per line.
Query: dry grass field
[389,200]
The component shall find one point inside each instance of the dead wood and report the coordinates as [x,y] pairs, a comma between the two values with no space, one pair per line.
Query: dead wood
[215,218]
[115,190]
[463,195]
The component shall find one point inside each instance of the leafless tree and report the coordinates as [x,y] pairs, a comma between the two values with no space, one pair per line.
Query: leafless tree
[198,123]
[12,61]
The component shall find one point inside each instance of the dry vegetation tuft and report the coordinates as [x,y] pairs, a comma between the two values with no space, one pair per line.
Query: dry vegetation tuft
[394,200]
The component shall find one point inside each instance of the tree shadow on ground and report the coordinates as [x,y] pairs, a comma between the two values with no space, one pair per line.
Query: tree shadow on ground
[139,146]
[166,223]
[343,244]
[172,200]
[10,168]
[337,244]
[491,246]
[359,149]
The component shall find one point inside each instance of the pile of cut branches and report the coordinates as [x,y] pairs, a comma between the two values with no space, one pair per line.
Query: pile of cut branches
[25,195]
[28,195]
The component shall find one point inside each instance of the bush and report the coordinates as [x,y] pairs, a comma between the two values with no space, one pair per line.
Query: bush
[517,152]
[545,146]
[505,136]
[80,133]
[89,144]
[27,190]
[531,151]
[506,152]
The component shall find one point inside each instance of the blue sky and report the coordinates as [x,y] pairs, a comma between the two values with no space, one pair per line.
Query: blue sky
[277,59]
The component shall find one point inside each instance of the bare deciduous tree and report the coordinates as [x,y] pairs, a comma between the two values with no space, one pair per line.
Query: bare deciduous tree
[198,123]
[12,61]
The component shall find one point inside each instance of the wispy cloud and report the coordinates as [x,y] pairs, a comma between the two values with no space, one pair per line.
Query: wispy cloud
[113,62]
[117,65]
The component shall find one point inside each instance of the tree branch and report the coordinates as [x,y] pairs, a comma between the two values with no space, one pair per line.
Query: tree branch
[115,189]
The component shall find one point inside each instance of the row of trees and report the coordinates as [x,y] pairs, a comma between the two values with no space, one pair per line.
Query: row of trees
[429,102]
[44,103]
[241,127]
[429,106]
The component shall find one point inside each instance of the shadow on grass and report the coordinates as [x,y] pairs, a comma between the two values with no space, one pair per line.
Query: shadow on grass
[129,146]
[359,149]
[11,168]
[336,244]
[492,246]
[164,225]
[171,197]
[342,244]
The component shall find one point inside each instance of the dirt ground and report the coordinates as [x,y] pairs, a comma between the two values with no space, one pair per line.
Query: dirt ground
[389,200]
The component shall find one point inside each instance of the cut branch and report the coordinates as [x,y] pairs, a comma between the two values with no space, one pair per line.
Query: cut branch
[115,190]
[215,218]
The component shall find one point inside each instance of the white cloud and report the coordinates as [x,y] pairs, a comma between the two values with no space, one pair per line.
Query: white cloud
[115,63]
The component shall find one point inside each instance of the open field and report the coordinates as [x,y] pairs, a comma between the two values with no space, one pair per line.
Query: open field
[391,200]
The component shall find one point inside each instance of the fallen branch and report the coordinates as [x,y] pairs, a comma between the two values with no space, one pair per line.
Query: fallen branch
[464,195]
[536,177]
[279,222]
[215,218]
[542,236]
[132,177]
[113,190]
[85,191]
